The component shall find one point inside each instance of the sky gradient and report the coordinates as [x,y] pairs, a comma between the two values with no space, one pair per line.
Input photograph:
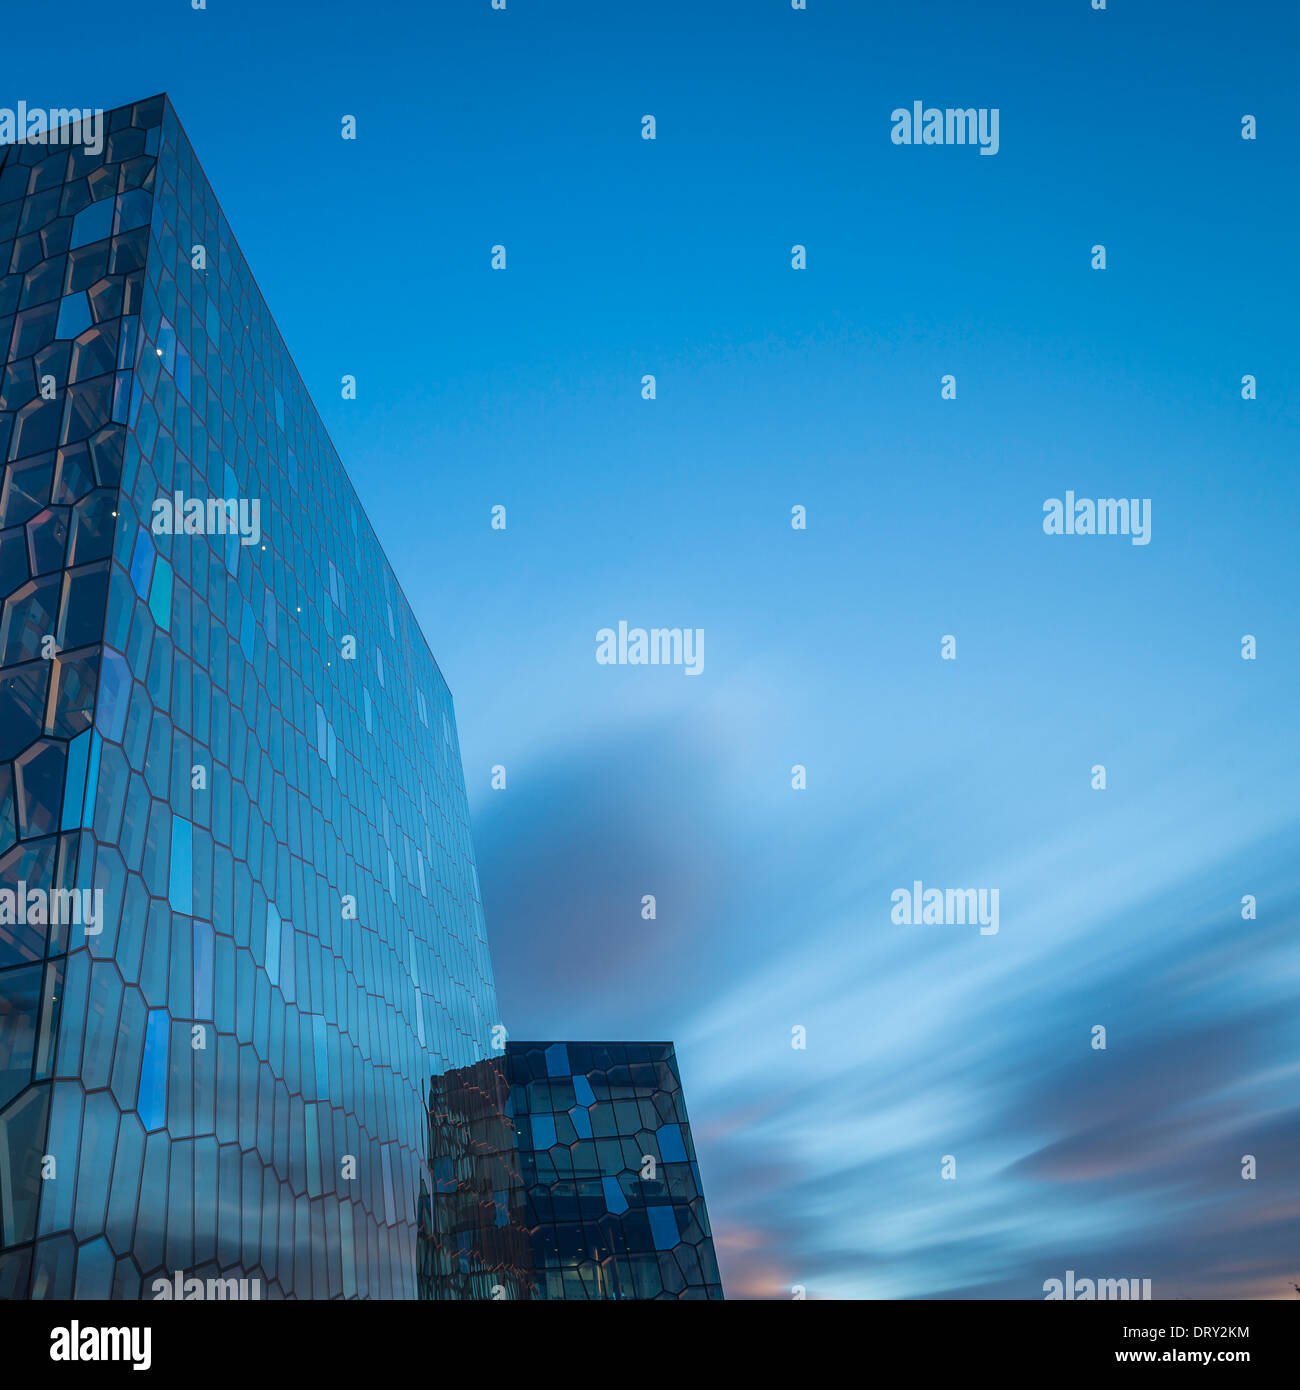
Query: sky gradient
[822,388]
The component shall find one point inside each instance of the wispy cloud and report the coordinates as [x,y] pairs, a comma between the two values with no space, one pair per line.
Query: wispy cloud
[822,1166]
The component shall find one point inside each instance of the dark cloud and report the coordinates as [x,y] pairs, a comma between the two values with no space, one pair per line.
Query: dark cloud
[565,857]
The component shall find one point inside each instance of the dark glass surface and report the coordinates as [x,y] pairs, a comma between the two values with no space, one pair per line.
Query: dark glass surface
[620,1216]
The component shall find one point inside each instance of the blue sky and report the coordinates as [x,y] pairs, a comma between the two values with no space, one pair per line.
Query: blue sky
[821,388]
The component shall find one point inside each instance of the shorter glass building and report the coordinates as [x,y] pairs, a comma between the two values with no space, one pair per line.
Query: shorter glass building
[615,1206]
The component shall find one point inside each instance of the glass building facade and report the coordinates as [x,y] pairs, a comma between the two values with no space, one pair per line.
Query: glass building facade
[241,738]
[615,1206]
[247,1010]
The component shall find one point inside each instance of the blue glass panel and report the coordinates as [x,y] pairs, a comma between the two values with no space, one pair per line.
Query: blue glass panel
[322,1056]
[74,784]
[543,1131]
[202,969]
[246,630]
[582,1090]
[312,1134]
[65,1141]
[288,963]
[142,563]
[165,348]
[614,1198]
[151,1101]
[557,1060]
[671,1148]
[347,1241]
[271,956]
[126,343]
[133,209]
[663,1227]
[180,883]
[74,316]
[114,695]
[390,1207]
[122,389]
[93,223]
[160,595]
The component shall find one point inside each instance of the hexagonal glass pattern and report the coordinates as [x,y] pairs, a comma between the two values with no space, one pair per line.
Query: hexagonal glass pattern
[221,723]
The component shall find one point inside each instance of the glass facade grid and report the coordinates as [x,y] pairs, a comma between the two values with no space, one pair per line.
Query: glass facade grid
[239,740]
[615,1204]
